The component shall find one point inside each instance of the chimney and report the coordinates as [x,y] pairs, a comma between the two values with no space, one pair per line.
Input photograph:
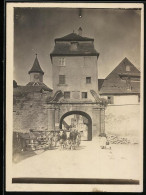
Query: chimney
[80,31]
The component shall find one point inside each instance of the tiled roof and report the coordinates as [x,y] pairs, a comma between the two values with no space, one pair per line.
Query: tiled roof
[36,67]
[114,84]
[131,74]
[29,88]
[86,49]
[26,89]
[73,37]
[24,135]
[39,84]
[100,82]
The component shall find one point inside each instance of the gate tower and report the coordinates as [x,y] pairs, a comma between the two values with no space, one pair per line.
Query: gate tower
[75,82]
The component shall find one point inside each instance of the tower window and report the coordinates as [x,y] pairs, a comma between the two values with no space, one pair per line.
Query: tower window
[127,68]
[88,80]
[84,95]
[61,61]
[67,94]
[36,76]
[74,46]
[61,79]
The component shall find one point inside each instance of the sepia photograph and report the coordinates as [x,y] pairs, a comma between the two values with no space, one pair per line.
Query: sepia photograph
[74,107]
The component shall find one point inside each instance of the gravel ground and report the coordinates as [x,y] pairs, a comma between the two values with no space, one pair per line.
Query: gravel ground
[89,161]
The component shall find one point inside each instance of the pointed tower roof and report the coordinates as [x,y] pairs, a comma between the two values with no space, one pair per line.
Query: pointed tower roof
[36,67]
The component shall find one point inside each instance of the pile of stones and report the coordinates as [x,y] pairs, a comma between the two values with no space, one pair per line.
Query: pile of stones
[113,139]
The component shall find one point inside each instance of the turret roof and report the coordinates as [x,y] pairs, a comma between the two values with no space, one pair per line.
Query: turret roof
[36,67]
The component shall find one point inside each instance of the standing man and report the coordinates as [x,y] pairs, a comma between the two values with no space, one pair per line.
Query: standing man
[103,141]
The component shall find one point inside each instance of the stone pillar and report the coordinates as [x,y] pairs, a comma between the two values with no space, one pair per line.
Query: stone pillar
[51,118]
[96,128]
[102,121]
[57,117]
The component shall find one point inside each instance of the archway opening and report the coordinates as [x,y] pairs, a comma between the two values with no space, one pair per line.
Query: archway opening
[78,120]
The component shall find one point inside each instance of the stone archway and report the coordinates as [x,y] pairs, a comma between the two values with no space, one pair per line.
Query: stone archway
[79,113]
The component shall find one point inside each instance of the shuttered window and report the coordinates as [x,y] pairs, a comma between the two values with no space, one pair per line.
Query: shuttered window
[67,94]
[84,95]
[61,61]
[127,68]
[61,79]
[88,80]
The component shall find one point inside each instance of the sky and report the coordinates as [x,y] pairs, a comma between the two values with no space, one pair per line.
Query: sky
[116,34]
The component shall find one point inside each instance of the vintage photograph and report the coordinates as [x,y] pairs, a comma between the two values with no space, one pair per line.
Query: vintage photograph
[77,97]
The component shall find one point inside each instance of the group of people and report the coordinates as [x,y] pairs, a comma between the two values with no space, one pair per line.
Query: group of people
[63,139]
[69,139]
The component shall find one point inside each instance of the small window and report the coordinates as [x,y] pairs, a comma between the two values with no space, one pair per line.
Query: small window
[88,80]
[127,68]
[84,94]
[110,99]
[35,84]
[74,46]
[61,61]
[61,79]
[128,82]
[36,76]
[67,95]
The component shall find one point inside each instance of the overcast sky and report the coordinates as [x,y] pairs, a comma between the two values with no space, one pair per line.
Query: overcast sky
[116,35]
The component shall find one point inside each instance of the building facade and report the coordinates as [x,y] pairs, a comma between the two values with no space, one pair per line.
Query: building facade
[122,85]
[75,89]
[121,88]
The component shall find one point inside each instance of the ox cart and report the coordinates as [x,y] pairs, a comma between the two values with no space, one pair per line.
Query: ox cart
[47,140]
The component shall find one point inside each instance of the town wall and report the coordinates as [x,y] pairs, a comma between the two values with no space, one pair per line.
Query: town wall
[123,99]
[123,120]
[29,115]
[37,115]
[126,99]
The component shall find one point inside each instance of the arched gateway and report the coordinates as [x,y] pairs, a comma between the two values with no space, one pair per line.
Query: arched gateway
[93,111]
[89,125]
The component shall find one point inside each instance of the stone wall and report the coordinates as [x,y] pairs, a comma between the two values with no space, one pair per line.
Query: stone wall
[29,115]
[123,99]
[38,115]
[123,121]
